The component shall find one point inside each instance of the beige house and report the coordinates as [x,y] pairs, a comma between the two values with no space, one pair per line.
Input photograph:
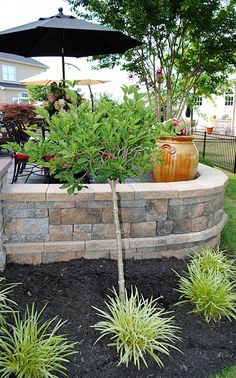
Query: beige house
[218,112]
[13,69]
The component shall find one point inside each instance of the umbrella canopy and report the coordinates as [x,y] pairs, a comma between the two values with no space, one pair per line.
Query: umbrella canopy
[49,82]
[63,35]
[87,82]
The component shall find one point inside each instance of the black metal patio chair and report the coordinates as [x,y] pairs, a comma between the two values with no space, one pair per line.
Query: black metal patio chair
[22,167]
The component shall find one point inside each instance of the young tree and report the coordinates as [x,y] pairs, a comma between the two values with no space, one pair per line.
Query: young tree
[112,142]
[189,45]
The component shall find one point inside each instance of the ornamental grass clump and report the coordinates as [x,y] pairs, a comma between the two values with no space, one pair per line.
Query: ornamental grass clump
[32,348]
[210,285]
[137,328]
[5,302]
[208,258]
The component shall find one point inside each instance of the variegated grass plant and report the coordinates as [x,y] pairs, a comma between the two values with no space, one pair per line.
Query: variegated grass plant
[5,302]
[210,285]
[32,348]
[137,328]
[217,260]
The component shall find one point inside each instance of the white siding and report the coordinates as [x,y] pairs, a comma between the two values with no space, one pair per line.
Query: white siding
[215,113]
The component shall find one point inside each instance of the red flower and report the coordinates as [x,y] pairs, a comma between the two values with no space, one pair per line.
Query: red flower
[159,72]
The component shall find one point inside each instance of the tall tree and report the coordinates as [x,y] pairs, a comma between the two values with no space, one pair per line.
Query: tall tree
[189,45]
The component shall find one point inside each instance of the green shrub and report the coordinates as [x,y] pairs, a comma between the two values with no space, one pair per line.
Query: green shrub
[5,302]
[137,328]
[209,286]
[31,348]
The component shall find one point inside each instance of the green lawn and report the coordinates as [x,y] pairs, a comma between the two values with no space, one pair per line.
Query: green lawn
[228,242]
[228,237]
[220,151]
[229,372]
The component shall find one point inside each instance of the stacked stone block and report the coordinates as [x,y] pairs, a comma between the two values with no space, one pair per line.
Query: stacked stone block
[4,166]
[157,220]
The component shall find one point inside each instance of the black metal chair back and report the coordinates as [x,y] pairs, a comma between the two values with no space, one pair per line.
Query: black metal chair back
[4,135]
[20,127]
[14,132]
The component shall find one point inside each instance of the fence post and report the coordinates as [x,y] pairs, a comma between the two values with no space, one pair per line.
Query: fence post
[235,163]
[204,145]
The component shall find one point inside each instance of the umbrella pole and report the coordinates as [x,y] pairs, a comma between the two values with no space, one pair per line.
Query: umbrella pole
[63,58]
[63,66]
[91,96]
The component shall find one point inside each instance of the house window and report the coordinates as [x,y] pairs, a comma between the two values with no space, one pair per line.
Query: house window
[199,101]
[23,94]
[8,73]
[229,100]
[21,99]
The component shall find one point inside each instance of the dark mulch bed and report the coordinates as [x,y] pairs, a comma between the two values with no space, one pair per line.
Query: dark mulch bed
[71,288]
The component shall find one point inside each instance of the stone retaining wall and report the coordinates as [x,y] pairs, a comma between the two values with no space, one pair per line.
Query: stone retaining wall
[41,223]
[4,166]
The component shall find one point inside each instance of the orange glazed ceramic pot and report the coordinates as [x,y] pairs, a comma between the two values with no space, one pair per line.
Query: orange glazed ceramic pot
[180,160]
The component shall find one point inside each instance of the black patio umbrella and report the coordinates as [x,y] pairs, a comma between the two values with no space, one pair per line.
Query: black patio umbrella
[62,35]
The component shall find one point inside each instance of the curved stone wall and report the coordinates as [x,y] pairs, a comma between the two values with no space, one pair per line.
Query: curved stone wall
[41,223]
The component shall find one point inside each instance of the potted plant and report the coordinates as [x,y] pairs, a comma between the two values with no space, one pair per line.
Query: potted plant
[179,154]
[209,129]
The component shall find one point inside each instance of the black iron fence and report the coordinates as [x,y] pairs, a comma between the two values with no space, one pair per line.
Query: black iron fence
[219,149]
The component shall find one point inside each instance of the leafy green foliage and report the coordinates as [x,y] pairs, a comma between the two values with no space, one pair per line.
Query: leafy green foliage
[5,302]
[210,285]
[114,141]
[173,128]
[37,92]
[186,39]
[32,348]
[137,328]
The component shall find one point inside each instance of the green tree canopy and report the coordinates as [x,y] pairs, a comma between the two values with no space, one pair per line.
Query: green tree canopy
[189,45]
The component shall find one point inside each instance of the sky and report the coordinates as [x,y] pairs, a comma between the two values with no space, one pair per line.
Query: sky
[18,12]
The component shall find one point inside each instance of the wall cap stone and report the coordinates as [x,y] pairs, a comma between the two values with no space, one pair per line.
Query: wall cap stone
[5,164]
[210,181]
[24,192]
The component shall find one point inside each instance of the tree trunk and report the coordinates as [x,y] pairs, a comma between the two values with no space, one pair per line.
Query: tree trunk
[159,101]
[121,278]
[168,98]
